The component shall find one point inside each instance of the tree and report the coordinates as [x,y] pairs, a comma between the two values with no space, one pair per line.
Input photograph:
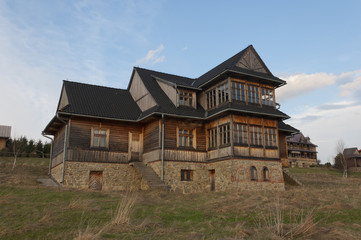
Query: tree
[18,146]
[39,148]
[340,157]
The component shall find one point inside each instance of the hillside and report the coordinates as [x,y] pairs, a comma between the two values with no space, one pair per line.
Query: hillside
[326,207]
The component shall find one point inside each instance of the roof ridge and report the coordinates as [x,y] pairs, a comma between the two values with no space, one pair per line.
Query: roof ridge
[192,79]
[94,85]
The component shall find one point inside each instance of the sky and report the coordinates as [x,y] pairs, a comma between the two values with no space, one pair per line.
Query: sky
[314,45]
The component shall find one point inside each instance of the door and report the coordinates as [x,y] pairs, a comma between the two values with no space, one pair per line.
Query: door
[212,179]
[134,146]
[95,180]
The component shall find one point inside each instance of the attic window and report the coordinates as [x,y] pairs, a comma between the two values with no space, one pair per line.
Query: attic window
[186,98]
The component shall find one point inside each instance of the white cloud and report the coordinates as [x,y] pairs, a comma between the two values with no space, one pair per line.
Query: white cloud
[301,83]
[152,56]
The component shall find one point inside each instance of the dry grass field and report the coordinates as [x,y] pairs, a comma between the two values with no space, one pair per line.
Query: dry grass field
[326,207]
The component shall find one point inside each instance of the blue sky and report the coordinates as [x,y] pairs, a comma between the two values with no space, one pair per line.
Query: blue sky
[314,45]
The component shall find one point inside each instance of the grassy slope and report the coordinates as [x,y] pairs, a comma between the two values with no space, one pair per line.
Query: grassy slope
[31,211]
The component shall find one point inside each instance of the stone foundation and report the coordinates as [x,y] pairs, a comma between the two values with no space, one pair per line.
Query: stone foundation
[229,175]
[115,176]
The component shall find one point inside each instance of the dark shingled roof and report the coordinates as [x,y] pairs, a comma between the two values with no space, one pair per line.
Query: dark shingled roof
[299,138]
[104,102]
[286,128]
[351,153]
[230,65]
[91,100]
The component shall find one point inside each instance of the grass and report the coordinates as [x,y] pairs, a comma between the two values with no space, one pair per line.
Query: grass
[326,207]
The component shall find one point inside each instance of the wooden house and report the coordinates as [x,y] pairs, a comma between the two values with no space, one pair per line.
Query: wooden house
[301,151]
[352,157]
[5,133]
[220,131]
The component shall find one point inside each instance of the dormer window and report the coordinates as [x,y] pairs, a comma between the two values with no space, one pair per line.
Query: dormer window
[186,98]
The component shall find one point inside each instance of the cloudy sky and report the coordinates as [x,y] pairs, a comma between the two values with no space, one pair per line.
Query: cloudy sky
[314,45]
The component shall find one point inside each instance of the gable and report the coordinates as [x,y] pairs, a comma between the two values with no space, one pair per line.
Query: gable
[140,93]
[64,101]
[169,90]
[251,60]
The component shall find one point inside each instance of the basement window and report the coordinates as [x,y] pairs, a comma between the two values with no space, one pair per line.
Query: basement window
[186,175]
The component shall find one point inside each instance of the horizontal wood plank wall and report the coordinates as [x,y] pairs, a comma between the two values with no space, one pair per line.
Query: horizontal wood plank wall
[58,144]
[151,136]
[80,134]
[96,156]
[184,155]
[170,130]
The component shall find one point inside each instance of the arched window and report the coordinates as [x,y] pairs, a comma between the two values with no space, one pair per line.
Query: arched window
[265,174]
[253,171]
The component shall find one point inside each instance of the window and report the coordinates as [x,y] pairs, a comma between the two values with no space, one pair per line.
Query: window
[212,138]
[100,138]
[186,98]
[211,98]
[253,94]
[267,97]
[265,174]
[255,135]
[223,93]
[238,91]
[253,173]
[186,175]
[218,95]
[240,134]
[270,137]
[224,132]
[185,138]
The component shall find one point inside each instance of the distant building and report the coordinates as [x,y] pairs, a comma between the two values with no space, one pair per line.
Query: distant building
[301,151]
[352,156]
[5,132]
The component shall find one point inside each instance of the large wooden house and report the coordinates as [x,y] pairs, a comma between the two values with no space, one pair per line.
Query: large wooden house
[220,131]
[301,151]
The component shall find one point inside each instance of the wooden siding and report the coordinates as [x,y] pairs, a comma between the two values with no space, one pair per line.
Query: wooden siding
[151,136]
[64,99]
[184,155]
[170,133]
[80,134]
[140,93]
[96,156]
[252,62]
[58,144]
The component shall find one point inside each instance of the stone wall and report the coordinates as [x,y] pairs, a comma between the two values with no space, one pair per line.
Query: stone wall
[232,174]
[115,176]
[297,162]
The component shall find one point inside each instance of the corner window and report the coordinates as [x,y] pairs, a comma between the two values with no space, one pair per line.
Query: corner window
[253,173]
[186,98]
[223,93]
[267,97]
[100,138]
[185,138]
[186,175]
